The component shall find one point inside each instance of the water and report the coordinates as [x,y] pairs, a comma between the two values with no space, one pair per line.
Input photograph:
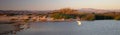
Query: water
[98,27]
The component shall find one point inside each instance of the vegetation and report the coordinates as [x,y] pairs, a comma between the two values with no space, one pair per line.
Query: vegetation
[61,15]
[68,13]
[117,18]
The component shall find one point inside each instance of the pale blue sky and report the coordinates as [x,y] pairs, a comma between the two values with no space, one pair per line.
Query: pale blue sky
[57,4]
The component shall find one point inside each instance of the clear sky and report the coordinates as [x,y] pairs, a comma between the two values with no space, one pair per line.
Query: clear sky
[57,4]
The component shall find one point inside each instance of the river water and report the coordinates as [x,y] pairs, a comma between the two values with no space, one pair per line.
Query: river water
[97,27]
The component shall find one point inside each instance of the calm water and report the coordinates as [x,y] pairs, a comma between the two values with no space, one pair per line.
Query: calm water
[99,27]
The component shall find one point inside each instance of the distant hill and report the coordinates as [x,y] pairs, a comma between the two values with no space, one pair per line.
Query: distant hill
[89,10]
[22,12]
[97,10]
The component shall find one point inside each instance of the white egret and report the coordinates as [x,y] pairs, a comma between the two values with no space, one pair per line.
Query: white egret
[79,23]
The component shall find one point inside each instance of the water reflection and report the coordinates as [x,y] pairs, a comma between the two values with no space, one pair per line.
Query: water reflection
[14,27]
[101,27]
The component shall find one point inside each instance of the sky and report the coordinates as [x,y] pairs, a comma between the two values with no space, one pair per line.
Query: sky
[57,4]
